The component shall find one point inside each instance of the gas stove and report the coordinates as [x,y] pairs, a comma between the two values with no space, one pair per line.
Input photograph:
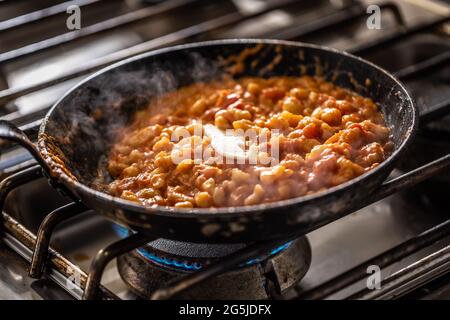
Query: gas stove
[52,248]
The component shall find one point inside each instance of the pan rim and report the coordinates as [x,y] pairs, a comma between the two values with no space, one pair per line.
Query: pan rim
[224,212]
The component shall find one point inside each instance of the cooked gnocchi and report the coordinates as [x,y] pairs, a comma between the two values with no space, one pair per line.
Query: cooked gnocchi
[326,135]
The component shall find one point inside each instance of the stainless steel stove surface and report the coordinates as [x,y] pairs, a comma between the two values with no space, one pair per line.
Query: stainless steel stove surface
[406,234]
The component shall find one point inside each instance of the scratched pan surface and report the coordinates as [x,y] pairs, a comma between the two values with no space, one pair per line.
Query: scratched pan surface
[79,130]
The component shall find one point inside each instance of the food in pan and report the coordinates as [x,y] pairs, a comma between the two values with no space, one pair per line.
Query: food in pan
[310,135]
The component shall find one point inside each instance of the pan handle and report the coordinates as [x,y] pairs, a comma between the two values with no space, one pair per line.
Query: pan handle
[9,131]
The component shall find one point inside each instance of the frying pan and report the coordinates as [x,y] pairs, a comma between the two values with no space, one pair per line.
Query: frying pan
[76,135]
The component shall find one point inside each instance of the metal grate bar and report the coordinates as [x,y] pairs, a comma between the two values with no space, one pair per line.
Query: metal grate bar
[27,239]
[31,129]
[106,25]
[423,66]
[104,256]
[398,36]
[171,38]
[409,278]
[13,181]
[39,259]
[19,118]
[441,109]
[435,112]
[335,20]
[17,167]
[42,14]
[60,269]
[387,258]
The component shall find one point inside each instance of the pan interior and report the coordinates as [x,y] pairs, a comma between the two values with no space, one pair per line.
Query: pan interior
[84,123]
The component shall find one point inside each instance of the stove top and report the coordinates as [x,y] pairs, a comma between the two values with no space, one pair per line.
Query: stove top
[406,234]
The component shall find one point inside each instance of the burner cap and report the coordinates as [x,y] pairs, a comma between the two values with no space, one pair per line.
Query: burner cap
[194,250]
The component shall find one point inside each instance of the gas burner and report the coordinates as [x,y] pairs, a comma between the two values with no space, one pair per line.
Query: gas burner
[163,261]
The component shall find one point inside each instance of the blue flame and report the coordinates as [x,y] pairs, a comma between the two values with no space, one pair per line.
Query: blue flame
[170,262]
[187,266]
[280,248]
[120,231]
[271,254]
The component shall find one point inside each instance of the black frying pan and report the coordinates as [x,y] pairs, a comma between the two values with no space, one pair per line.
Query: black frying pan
[78,131]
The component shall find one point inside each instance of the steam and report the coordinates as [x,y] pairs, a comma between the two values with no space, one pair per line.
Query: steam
[87,121]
